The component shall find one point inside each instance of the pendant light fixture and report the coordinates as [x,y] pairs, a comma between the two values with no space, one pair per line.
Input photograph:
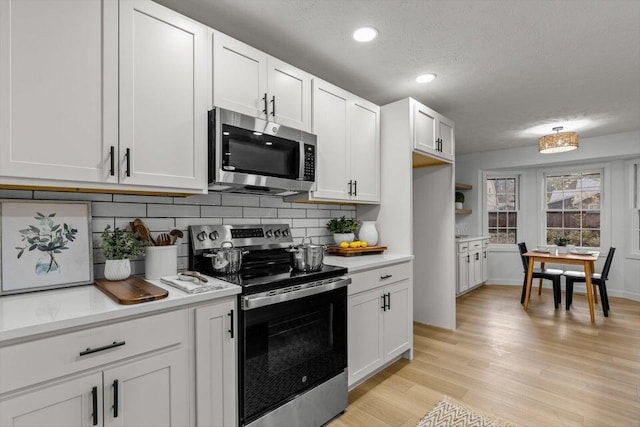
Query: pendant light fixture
[558,142]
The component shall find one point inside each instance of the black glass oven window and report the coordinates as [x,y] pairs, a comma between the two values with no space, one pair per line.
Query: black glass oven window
[292,346]
[248,152]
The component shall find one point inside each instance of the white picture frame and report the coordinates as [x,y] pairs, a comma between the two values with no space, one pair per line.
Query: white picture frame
[44,245]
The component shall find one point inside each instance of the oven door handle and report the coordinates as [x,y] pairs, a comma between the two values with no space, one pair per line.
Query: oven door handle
[250,302]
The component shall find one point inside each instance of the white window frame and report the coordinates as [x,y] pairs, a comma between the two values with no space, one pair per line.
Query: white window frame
[605,199]
[485,210]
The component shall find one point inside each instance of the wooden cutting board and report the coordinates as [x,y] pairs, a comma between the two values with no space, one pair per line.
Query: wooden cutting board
[133,290]
[337,250]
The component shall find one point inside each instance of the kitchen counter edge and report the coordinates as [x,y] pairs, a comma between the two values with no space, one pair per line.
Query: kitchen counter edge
[470,238]
[366,262]
[48,312]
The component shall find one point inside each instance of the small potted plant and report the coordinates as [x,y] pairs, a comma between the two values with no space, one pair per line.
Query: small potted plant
[459,199]
[343,229]
[119,246]
[562,243]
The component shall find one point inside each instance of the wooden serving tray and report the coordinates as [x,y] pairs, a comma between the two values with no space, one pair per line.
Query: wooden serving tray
[133,290]
[337,250]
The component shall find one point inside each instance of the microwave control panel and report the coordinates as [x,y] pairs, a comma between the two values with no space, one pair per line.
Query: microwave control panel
[309,162]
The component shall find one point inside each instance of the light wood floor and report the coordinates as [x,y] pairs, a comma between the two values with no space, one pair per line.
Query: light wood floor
[544,367]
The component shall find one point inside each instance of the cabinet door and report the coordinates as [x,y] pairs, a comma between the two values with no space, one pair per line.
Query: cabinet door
[329,123]
[485,267]
[58,89]
[364,144]
[163,99]
[475,271]
[70,403]
[446,133]
[216,388]
[289,92]
[463,271]
[365,339]
[397,320]
[239,76]
[424,129]
[149,392]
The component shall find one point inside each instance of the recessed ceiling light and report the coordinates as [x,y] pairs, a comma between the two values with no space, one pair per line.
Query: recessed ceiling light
[365,34]
[426,78]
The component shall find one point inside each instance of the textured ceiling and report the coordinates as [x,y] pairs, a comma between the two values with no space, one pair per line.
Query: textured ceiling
[503,66]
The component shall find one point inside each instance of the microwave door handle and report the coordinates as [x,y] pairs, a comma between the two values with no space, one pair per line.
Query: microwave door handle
[301,161]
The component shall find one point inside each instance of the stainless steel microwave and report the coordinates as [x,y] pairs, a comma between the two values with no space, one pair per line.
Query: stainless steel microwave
[251,155]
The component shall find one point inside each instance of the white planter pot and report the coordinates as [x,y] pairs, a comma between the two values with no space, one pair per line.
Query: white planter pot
[117,269]
[368,233]
[562,249]
[343,237]
[458,205]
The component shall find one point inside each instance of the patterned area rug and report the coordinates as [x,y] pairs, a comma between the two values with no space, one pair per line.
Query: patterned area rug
[450,414]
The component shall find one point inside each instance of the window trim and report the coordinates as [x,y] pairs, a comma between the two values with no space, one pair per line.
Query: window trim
[633,205]
[485,211]
[605,199]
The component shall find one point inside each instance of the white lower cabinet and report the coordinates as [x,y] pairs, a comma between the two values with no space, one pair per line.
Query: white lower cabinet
[138,376]
[379,319]
[472,264]
[216,349]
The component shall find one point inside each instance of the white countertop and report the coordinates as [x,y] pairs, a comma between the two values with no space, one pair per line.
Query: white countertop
[366,262]
[34,313]
[469,238]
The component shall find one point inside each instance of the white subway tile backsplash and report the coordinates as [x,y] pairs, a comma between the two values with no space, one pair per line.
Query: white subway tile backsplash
[298,232]
[184,223]
[306,222]
[239,221]
[318,231]
[64,195]
[341,213]
[99,224]
[199,199]
[260,212]
[173,211]
[16,194]
[128,210]
[287,221]
[240,200]
[162,225]
[135,198]
[273,202]
[317,213]
[292,213]
[221,211]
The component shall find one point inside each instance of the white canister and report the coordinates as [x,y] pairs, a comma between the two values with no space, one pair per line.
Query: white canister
[368,233]
[160,261]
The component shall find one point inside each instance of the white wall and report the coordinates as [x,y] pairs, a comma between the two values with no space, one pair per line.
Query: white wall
[611,152]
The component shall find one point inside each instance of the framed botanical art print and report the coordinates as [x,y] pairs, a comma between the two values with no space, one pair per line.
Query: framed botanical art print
[45,245]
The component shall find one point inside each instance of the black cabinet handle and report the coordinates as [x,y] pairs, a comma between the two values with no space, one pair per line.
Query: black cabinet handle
[127,156]
[273,105]
[485,254]
[266,109]
[350,187]
[386,276]
[112,154]
[94,404]
[115,398]
[355,188]
[388,301]
[468,259]
[105,347]
[477,256]
[384,302]
[231,328]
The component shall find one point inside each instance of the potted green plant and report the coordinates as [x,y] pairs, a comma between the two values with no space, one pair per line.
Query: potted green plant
[459,199]
[562,243]
[343,229]
[119,246]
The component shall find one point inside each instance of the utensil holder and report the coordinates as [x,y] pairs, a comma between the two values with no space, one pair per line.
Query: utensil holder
[160,261]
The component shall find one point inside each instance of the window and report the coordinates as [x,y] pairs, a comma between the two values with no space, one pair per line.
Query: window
[502,209]
[573,207]
[635,220]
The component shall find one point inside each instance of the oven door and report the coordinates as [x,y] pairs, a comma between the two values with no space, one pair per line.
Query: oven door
[289,347]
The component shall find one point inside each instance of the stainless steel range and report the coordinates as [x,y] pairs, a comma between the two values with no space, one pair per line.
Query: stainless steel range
[292,342]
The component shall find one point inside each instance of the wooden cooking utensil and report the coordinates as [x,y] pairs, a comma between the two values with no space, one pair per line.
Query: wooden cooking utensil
[163,239]
[175,235]
[141,229]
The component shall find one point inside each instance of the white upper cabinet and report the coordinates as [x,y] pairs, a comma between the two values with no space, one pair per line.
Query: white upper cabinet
[101,93]
[433,134]
[58,89]
[348,154]
[251,82]
[163,99]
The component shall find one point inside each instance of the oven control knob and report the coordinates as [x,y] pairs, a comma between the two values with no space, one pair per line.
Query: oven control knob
[277,233]
[202,236]
[269,233]
[285,233]
[214,235]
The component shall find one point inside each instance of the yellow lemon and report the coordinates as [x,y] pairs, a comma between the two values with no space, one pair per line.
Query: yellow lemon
[344,245]
[363,244]
[354,244]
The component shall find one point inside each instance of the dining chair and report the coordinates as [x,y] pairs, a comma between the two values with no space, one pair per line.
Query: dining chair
[540,273]
[600,280]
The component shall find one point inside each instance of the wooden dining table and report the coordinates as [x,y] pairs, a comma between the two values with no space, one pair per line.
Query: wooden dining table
[586,260]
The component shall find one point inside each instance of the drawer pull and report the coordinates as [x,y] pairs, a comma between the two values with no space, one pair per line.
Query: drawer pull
[94,404]
[231,329]
[388,300]
[97,349]
[115,398]
[384,302]
[386,276]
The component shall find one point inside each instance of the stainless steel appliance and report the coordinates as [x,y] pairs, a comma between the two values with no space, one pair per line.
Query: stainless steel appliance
[251,155]
[292,327]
